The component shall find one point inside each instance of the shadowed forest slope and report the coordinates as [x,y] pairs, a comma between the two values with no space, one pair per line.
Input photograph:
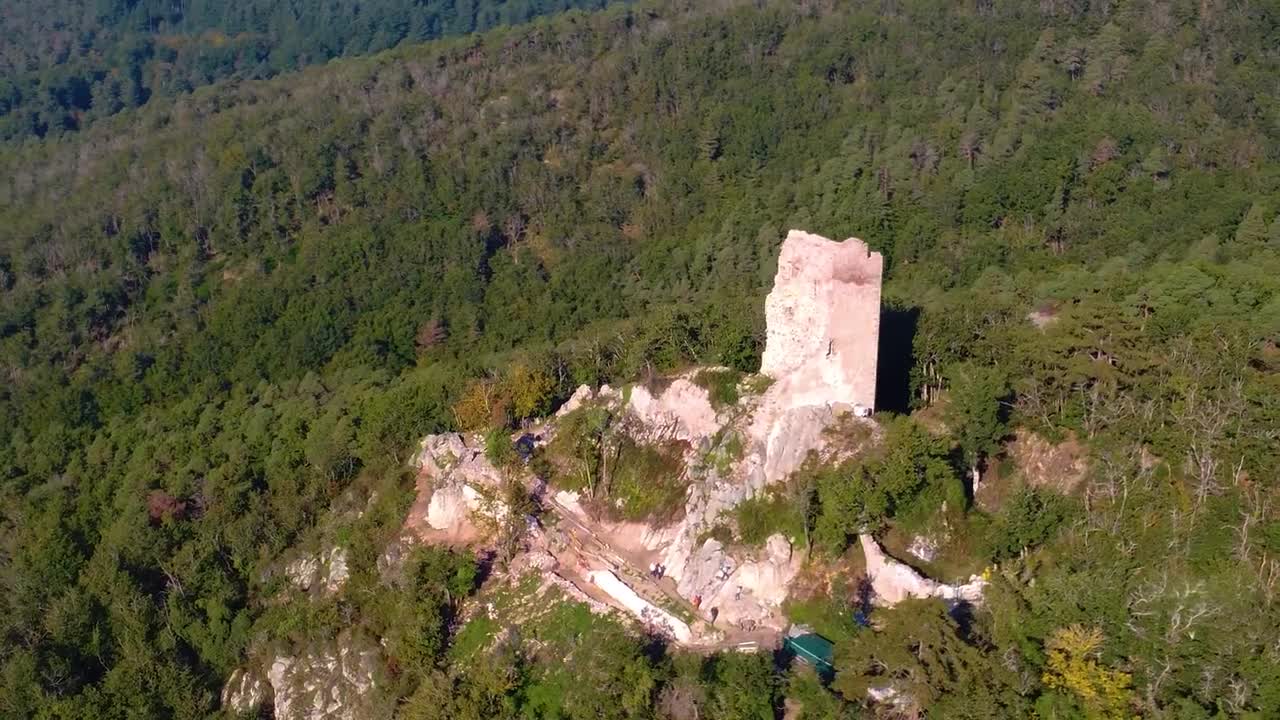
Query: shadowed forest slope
[68,63]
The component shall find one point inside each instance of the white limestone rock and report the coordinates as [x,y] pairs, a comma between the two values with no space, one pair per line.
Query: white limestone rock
[682,411]
[338,679]
[455,482]
[757,587]
[439,453]
[700,574]
[786,434]
[894,581]
[324,573]
[245,691]
[330,681]
[580,397]
[451,505]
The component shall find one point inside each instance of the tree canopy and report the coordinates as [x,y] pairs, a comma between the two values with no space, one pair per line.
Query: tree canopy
[230,309]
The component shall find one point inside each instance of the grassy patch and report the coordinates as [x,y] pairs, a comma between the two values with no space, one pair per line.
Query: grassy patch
[542,615]
[764,515]
[721,386]
[719,532]
[830,617]
[474,637]
[647,482]
[726,450]
[756,384]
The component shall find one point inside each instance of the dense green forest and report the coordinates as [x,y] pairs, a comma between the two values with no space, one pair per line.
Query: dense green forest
[66,63]
[224,312]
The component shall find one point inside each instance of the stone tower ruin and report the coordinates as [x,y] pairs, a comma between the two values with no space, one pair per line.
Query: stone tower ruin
[823,322]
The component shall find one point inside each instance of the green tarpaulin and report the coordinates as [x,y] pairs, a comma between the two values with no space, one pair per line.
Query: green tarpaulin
[813,649]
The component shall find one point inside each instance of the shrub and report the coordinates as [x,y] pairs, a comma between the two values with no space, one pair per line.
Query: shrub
[1028,519]
[721,386]
[499,448]
[647,482]
[764,515]
[718,532]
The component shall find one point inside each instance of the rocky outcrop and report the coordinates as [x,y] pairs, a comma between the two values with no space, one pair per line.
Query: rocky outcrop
[823,326]
[330,680]
[245,692]
[324,573]
[823,321]
[584,394]
[894,581]
[455,482]
[681,411]
[742,588]
[783,435]
[768,576]
[451,505]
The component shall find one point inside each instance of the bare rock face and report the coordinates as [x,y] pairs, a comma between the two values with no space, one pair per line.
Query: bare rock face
[324,573]
[682,411]
[823,319]
[756,589]
[452,505]
[785,433]
[338,679]
[584,394]
[894,581]
[454,477]
[245,691]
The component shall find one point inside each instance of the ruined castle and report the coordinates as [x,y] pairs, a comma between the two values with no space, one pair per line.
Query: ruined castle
[823,320]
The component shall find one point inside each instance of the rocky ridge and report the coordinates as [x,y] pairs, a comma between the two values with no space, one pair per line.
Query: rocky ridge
[819,370]
[820,356]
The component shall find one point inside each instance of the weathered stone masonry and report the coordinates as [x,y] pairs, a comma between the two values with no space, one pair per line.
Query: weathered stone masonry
[823,321]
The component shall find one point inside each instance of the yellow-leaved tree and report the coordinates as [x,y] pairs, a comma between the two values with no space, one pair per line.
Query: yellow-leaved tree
[531,390]
[484,403]
[1074,665]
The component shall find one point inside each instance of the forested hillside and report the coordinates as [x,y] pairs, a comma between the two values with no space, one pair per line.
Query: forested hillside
[224,311]
[66,63]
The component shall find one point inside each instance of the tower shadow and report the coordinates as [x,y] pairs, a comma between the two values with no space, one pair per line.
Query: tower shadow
[895,357]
